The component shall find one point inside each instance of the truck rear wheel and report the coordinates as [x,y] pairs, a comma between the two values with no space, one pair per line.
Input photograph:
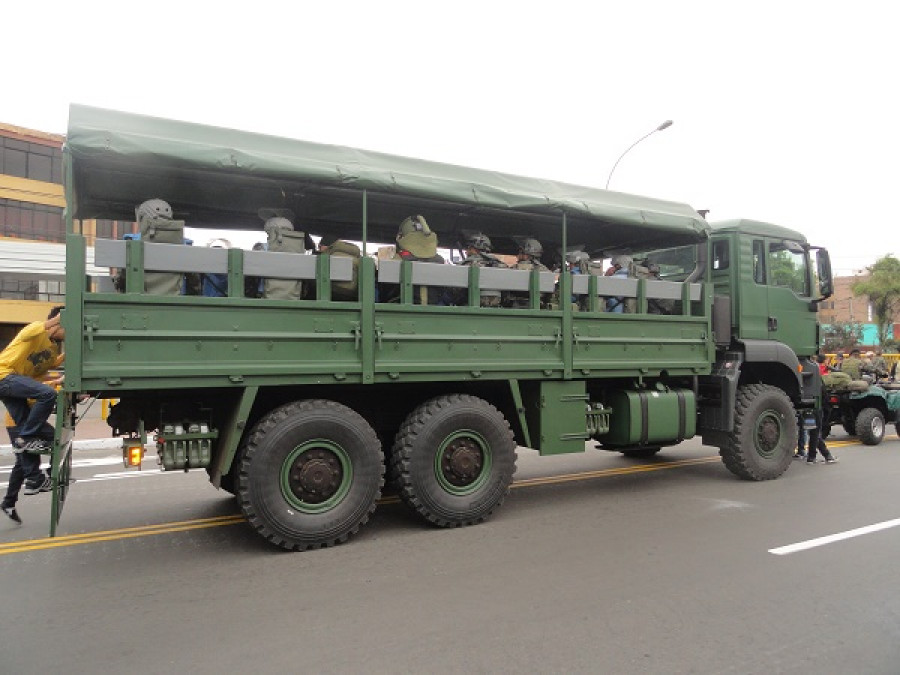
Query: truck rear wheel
[870,426]
[454,459]
[764,438]
[310,474]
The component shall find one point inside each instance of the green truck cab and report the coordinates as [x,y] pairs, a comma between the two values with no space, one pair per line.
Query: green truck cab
[307,409]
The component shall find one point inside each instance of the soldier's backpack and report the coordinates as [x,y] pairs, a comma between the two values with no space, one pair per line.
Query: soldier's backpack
[162,231]
[654,305]
[283,238]
[836,380]
[346,290]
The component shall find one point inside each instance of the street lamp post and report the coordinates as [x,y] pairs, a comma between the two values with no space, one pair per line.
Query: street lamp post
[664,125]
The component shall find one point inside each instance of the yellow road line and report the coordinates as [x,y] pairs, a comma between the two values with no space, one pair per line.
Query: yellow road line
[641,468]
[123,533]
[218,521]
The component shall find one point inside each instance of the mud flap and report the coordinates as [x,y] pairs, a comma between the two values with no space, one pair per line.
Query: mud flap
[61,456]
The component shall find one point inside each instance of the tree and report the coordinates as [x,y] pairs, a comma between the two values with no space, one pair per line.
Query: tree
[883,288]
[841,336]
[788,269]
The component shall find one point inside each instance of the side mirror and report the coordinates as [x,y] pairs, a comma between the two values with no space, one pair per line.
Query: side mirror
[823,272]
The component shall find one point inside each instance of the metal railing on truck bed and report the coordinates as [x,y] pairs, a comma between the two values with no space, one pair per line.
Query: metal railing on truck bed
[135,340]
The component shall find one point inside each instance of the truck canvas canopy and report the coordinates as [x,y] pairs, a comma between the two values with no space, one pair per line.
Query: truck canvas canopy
[219,178]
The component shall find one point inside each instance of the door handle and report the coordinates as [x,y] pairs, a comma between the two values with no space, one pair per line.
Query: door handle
[773,323]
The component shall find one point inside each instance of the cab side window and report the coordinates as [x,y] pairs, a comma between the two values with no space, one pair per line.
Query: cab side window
[720,255]
[788,268]
[759,261]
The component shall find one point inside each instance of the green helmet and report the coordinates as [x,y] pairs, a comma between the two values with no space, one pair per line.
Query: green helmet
[479,241]
[413,224]
[153,208]
[416,237]
[531,247]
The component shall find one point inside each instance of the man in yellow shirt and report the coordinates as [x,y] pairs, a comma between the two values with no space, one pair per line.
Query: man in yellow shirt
[24,374]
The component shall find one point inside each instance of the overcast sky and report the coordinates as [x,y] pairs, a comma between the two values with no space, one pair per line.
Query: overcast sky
[783,111]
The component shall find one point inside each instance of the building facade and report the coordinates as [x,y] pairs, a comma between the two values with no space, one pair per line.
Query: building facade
[844,307]
[33,228]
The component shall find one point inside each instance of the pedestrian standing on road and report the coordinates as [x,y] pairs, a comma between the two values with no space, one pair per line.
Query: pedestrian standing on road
[802,436]
[816,440]
[24,375]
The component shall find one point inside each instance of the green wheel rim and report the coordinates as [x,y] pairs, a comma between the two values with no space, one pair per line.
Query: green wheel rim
[462,463]
[316,476]
[768,433]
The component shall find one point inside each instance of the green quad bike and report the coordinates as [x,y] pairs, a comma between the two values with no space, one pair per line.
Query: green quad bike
[864,413]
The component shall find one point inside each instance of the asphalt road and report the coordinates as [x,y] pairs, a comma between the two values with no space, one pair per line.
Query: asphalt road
[596,563]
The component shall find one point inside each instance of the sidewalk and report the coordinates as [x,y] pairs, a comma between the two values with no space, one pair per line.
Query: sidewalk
[91,432]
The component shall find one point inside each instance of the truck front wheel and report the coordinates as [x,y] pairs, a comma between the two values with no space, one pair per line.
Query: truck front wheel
[454,459]
[870,426]
[764,438]
[310,474]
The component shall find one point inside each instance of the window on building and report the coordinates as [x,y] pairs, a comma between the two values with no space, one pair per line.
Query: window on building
[15,162]
[24,220]
[32,287]
[40,167]
[30,160]
[114,229]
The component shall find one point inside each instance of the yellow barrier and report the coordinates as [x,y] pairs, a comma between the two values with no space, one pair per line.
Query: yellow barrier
[105,405]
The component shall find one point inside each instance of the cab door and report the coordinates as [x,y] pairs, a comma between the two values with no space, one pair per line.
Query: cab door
[791,316]
[753,300]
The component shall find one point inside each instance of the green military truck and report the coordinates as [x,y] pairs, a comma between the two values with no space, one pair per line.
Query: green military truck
[306,409]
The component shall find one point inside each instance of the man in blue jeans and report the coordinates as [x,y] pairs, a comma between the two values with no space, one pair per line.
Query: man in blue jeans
[27,470]
[27,391]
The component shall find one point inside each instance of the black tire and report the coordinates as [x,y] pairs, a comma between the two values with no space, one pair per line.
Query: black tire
[640,453]
[454,458]
[870,426]
[310,474]
[762,444]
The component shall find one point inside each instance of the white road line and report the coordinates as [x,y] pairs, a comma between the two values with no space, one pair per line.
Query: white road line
[126,475]
[831,538]
[76,463]
[146,473]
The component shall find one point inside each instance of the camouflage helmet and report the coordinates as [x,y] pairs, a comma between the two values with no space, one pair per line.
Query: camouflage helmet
[479,241]
[153,208]
[413,224]
[531,247]
[578,257]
